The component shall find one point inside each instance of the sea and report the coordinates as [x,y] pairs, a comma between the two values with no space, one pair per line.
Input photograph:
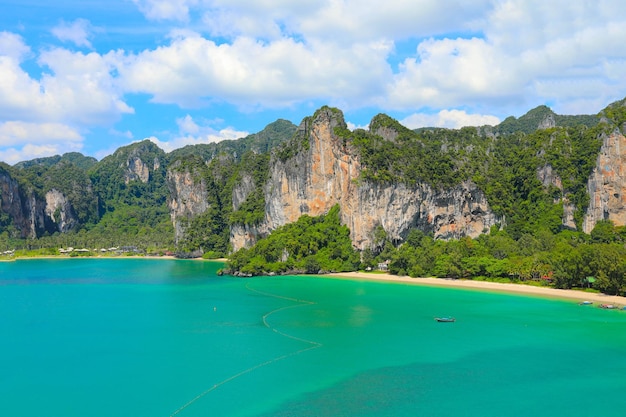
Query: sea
[154,337]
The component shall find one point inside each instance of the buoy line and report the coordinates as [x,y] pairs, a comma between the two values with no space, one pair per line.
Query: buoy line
[313,345]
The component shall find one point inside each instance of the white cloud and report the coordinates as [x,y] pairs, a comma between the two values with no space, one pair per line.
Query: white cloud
[75,92]
[449,72]
[367,20]
[21,141]
[80,89]
[13,133]
[352,126]
[193,70]
[346,21]
[177,10]
[193,133]
[12,46]
[452,119]
[77,32]
[526,46]
[497,57]
[20,96]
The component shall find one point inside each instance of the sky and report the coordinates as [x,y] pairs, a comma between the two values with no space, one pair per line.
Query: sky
[90,76]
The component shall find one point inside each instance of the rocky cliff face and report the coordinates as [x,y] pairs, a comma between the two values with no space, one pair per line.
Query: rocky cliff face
[327,173]
[607,184]
[137,169]
[59,211]
[188,197]
[549,178]
[25,211]
[11,203]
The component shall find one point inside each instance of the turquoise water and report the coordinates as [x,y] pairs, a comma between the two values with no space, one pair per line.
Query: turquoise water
[93,337]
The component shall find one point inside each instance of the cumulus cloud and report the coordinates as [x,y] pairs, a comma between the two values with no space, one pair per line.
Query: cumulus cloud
[452,119]
[448,72]
[488,57]
[77,32]
[524,46]
[281,53]
[12,47]
[21,141]
[79,89]
[44,116]
[193,133]
[82,87]
[12,133]
[193,71]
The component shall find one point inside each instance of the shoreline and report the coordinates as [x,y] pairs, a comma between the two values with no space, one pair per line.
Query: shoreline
[510,288]
[164,257]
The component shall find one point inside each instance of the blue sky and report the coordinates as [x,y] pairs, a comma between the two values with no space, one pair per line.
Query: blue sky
[91,76]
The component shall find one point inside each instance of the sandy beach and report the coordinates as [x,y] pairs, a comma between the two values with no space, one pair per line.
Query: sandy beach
[596,298]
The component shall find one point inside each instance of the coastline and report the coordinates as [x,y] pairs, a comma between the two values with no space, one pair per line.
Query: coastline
[596,298]
[164,257]
[511,288]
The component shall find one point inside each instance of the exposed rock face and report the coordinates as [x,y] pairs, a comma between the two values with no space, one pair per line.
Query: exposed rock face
[244,236]
[327,173]
[242,190]
[461,211]
[314,180]
[549,177]
[11,203]
[547,123]
[136,170]
[59,211]
[188,198]
[607,184]
[24,209]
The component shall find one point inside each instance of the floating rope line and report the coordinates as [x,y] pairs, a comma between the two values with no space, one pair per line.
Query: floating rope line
[314,345]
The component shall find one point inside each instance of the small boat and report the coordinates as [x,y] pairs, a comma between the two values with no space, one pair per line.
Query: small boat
[445,319]
[585,303]
[608,306]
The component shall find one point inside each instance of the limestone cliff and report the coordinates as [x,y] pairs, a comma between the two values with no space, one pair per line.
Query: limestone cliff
[549,178]
[21,206]
[135,169]
[188,197]
[607,184]
[326,171]
[59,211]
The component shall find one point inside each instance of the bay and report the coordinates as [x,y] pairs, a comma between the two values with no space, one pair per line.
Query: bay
[141,337]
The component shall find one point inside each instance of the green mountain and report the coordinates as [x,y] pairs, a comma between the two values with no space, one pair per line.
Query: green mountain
[526,180]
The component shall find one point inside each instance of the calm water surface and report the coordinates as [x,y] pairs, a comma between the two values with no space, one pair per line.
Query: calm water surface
[93,337]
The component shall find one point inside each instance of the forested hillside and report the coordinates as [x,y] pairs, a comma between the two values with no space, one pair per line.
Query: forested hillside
[534,172]
[122,200]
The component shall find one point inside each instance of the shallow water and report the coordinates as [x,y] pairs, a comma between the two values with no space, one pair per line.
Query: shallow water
[94,337]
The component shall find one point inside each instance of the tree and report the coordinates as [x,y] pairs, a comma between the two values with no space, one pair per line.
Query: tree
[610,265]
[603,232]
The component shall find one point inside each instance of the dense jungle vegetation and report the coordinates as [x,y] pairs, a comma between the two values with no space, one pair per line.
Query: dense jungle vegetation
[567,259]
[509,162]
[308,246]
[116,208]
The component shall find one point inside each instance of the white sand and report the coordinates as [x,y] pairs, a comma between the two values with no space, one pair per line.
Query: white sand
[597,298]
